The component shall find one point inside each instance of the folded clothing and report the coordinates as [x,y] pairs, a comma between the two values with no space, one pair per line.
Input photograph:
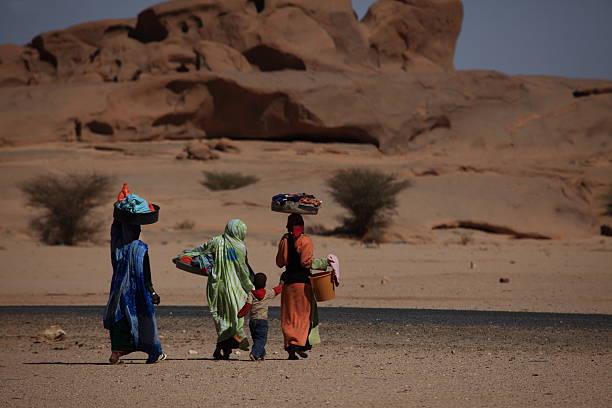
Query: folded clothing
[130,202]
[334,263]
[135,204]
[296,203]
[203,262]
[302,198]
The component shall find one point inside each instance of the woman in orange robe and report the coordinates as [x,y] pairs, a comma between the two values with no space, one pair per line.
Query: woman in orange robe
[299,318]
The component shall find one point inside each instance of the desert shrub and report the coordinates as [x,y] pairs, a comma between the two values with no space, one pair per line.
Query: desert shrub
[369,196]
[67,202]
[609,203]
[220,180]
[465,237]
[185,225]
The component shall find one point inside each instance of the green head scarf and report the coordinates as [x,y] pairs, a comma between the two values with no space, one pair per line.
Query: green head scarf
[235,229]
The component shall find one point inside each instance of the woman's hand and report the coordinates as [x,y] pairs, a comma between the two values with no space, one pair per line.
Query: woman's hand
[154,296]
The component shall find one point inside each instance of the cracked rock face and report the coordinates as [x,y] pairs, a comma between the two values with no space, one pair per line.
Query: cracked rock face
[237,35]
[398,113]
[286,70]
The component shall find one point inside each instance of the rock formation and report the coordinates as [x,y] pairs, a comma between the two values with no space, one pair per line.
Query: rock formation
[299,70]
[238,35]
[281,70]
[396,112]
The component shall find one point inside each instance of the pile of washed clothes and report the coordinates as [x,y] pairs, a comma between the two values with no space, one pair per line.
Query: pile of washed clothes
[299,203]
[130,202]
[197,258]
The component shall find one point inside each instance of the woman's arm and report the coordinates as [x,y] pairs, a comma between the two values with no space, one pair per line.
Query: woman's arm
[251,272]
[281,255]
[146,271]
[199,250]
[304,247]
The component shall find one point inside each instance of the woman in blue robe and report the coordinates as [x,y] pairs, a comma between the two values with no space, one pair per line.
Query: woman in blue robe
[129,315]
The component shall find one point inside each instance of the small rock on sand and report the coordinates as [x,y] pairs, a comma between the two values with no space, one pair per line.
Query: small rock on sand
[53,333]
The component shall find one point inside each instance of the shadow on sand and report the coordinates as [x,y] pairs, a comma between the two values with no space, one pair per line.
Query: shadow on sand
[142,361]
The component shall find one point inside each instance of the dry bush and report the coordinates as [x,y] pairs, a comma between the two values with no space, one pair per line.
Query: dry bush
[67,202]
[185,225]
[465,238]
[370,197]
[220,180]
[609,203]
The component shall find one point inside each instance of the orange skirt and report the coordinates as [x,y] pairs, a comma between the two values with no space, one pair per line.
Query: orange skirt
[296,308]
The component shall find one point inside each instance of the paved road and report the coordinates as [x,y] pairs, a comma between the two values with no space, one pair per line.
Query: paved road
[457,318]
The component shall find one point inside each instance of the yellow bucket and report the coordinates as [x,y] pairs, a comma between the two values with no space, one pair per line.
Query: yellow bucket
[322,286]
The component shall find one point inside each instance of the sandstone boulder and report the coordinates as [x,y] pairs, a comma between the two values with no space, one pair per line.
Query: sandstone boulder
[414,35]
[198,151]
[211,35]
[13,69]
[214,56]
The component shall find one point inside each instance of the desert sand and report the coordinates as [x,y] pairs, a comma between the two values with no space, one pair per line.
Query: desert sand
[419,267]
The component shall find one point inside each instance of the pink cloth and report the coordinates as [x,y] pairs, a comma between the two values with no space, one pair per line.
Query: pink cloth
[335,265]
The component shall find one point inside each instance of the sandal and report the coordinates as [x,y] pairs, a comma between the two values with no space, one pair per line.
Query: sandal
[221,354]
[161,357]
[114,358]
[292,355]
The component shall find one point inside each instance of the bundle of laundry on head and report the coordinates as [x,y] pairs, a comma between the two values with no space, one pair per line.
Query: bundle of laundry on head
[130,202]
[301,203]
[133,209]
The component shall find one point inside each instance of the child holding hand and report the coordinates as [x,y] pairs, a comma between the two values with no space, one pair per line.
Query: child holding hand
[257,309]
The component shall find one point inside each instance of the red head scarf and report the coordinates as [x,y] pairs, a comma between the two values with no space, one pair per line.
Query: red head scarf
[295,225]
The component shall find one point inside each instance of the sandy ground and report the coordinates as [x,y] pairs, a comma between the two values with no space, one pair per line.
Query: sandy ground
[418,267]
[544,277]
[360,363]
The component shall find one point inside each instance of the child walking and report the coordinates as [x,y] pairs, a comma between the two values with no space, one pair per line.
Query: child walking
[257,309]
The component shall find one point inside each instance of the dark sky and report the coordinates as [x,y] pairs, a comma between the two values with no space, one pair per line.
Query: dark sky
[542,37]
